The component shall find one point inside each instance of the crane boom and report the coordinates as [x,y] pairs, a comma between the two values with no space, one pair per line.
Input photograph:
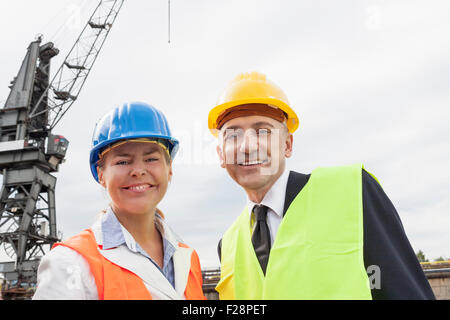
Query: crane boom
[72,74]
[30,153]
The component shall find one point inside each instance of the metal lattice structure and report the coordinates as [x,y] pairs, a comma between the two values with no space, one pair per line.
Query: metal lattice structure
[30,153]
[71,76]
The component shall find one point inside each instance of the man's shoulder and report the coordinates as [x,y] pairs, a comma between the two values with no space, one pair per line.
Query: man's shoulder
[295,184]
[298,180]
[298,177]
[294,175]
[369,178]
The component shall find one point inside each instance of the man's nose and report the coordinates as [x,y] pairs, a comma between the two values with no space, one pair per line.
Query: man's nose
[249,142]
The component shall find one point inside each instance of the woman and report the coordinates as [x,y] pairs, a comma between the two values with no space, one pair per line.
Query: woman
[130,252]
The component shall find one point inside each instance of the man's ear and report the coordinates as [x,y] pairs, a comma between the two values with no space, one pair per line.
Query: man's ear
[289,144]
[221,157]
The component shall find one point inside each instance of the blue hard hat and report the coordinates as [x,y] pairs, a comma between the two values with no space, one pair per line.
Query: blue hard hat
[130,121]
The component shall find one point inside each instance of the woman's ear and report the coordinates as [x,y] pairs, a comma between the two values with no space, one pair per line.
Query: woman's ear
[101,179]
[170,172]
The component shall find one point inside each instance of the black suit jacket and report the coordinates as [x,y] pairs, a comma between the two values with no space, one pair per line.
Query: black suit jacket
[385,243]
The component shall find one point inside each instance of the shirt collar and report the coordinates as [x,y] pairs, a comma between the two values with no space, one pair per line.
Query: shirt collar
[114,234]
[275,197]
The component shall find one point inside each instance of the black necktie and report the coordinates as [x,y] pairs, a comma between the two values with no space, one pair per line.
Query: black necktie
[261,236]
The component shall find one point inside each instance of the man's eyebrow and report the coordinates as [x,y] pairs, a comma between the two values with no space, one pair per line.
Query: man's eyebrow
[262,124]
[255,125]
[233,128]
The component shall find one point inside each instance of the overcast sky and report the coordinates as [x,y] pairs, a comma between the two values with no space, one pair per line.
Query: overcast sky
[369,80]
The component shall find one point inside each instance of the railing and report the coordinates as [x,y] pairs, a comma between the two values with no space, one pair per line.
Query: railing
[435,264]
[211,277]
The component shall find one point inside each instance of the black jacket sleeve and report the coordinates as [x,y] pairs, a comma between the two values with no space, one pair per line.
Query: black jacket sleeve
[386,247]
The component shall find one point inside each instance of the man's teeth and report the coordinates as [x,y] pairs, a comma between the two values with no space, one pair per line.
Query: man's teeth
[251,163]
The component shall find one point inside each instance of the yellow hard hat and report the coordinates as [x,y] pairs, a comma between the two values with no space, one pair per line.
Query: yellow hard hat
[252,88]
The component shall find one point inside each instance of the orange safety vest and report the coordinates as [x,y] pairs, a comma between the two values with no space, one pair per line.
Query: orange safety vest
[116,283]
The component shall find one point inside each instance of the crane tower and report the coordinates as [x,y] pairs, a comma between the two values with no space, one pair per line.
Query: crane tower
[29,151]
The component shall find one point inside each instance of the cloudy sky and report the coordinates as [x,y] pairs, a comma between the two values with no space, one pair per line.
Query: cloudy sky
[369,79]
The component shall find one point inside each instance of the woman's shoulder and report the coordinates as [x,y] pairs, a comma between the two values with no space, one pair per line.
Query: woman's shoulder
[64,274]
[63,255]
[63,261]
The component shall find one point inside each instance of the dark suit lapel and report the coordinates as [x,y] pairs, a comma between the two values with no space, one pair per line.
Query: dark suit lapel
[296,182]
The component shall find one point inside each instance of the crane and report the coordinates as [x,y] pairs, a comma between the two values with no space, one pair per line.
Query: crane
[29,151]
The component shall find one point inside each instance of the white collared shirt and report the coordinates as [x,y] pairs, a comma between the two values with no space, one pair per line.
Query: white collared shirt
[274,200]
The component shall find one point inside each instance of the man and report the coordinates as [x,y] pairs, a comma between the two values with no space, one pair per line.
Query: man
[331,234]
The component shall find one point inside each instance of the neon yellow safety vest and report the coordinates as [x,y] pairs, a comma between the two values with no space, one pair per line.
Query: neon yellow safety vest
[318,249]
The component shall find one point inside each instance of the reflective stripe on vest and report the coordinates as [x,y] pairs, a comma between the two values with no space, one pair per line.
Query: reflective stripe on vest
[318,249]
[116,283]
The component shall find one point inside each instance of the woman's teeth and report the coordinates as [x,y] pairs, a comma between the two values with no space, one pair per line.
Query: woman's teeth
[139,187]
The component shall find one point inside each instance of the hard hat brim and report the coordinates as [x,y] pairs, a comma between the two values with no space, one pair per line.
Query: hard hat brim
[292,121]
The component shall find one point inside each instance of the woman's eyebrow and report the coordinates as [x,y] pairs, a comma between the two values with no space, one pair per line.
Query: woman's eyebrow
[151,152]
[124,154]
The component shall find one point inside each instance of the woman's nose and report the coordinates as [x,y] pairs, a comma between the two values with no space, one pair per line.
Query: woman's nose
[138,170]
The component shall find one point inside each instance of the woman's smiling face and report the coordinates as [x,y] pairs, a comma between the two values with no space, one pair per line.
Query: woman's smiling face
[136,176]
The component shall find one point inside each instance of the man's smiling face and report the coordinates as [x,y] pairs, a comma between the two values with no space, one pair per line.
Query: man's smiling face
[253,150]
